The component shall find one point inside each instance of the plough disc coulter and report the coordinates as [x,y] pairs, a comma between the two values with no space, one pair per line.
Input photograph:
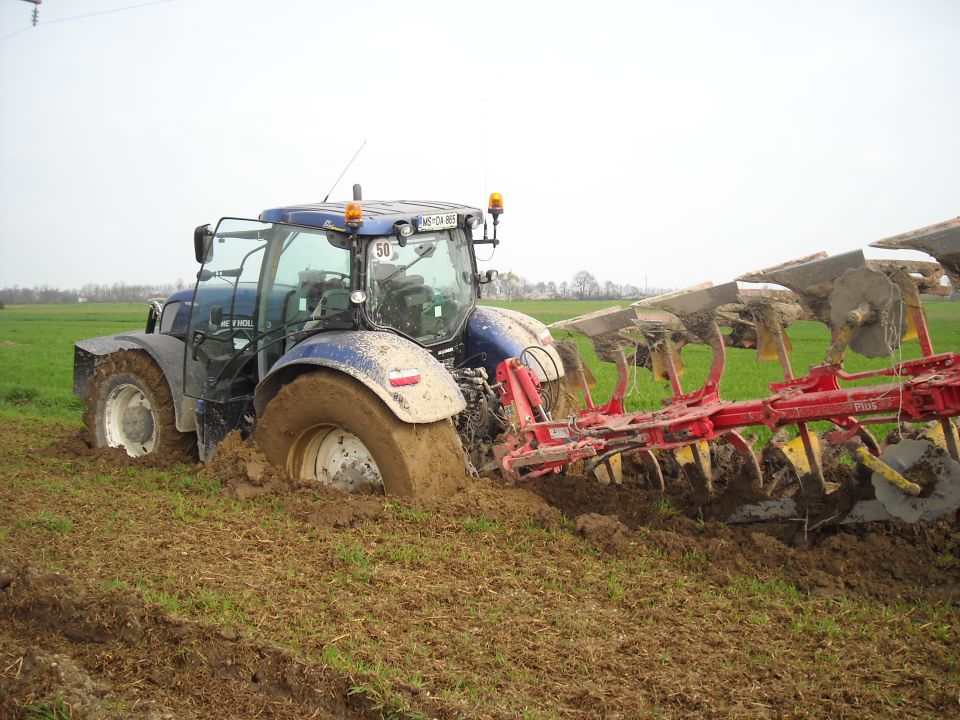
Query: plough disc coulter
[843,475]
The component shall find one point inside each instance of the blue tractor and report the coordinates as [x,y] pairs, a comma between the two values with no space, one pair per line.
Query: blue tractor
[345,336]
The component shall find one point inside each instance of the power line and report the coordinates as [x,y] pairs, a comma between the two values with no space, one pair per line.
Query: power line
[99,12]
[23,29]
[104,12]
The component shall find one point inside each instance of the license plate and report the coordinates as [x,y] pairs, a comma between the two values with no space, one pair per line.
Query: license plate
[441,221]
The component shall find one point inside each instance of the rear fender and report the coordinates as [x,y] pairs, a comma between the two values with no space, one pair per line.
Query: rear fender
[369,357]
[499,334]
[166,350]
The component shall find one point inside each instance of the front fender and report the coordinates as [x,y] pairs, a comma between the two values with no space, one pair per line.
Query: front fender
[499,334]
[369,357]
[166,350]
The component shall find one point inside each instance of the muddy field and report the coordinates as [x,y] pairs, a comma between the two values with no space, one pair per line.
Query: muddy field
[141,590]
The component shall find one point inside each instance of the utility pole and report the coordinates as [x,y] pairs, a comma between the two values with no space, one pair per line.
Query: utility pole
[36,10]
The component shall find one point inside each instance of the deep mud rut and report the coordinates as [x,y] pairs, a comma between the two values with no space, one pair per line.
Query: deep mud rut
[109,654]
[563,598]
[887,562]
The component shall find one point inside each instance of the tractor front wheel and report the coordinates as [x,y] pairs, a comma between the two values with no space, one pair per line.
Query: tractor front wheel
[129,405]
[326,427]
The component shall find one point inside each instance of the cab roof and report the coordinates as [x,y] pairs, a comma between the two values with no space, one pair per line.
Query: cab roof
[379,216]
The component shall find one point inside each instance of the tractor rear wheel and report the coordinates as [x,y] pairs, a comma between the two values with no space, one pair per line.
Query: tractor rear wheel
[129,405]
[326,427]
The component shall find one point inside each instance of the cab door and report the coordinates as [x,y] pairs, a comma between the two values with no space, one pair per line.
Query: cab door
[222,338]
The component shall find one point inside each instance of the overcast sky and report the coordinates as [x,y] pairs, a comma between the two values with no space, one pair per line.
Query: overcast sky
[666,143]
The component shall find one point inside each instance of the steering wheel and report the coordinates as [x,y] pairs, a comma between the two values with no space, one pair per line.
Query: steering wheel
[325,273]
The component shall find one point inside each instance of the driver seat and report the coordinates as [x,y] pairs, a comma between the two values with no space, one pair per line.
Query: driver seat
[331,303]
[406,307]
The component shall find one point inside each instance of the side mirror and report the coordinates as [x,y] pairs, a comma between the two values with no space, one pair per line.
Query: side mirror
[488,277]
[203,244]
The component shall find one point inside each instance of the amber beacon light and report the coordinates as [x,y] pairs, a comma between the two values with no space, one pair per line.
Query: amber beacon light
[495,207]
[353,214]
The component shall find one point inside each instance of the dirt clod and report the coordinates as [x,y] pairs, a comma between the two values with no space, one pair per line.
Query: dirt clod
[481,497]
[243,471]
[338,511]
[605,532]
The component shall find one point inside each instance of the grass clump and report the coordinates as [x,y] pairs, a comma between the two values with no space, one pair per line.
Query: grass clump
[615,587]
[664,507]
[773,588]
[20,395]
[355,556]
[57,709]
[55,523]
[352,553]
[481,525]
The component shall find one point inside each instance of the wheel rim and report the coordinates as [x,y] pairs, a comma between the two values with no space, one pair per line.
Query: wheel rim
[338,458]
[130,421]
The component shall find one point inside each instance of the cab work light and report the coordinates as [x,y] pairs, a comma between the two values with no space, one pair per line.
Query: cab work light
[402,230]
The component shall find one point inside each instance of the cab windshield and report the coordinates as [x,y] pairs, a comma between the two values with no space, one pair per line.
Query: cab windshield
[423,289]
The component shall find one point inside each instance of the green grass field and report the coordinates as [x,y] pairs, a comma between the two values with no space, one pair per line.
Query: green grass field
[36,353]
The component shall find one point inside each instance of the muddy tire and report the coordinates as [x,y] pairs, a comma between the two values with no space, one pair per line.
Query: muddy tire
[325,426]
[129,405]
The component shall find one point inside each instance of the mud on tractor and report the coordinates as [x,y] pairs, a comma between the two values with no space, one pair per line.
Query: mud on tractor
[347,338]
[346,335]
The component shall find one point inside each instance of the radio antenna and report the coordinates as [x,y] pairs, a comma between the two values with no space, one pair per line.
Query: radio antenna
[486,122]
[345,169]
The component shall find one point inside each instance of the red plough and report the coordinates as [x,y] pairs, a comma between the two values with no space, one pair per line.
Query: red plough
[870,306]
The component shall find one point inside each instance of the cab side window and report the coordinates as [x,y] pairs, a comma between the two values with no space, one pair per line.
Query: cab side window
[312,281]
[314,269]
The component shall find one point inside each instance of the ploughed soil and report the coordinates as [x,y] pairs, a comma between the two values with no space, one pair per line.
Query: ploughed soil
[134,589]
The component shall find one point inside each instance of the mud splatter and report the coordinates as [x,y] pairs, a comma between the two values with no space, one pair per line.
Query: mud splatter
[244,472]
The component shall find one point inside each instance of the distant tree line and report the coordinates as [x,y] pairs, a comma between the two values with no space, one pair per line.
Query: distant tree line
[116,293]
[582,286]
[508,286]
